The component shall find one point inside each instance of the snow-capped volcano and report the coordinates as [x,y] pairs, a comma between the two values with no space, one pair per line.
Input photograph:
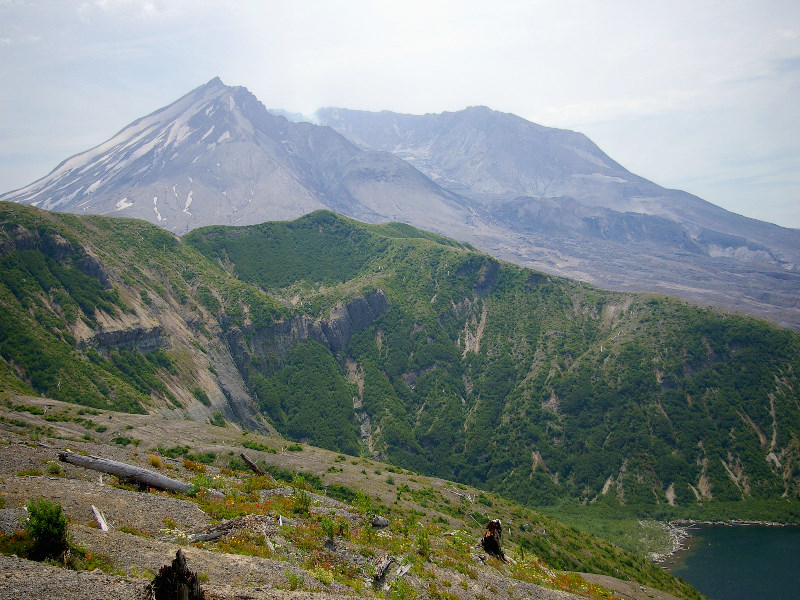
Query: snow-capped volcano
[544,198]
[217,156]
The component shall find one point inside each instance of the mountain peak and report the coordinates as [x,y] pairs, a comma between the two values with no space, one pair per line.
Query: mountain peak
[480,109]
[217,156]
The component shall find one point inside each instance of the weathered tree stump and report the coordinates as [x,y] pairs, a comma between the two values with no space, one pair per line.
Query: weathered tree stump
[492,541]
[175,582]
[381,566]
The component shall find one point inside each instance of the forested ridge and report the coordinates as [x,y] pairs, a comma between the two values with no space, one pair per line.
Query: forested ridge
[464,367]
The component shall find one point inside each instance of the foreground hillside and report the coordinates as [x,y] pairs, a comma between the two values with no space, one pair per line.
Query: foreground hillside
[302,531]
[394,343]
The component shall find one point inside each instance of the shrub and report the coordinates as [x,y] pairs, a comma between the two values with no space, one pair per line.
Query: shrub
[124,441]
[423,543]
[30,473]
[328,528]
[258,482]
[194,467]
[237,464]
[53,468]
[322,574]
[47,529]
[174,452]
[253,445]
[201,396]
[342,492]
[295,580]
[154,461]
[203,457]
[301,502]
[217,420]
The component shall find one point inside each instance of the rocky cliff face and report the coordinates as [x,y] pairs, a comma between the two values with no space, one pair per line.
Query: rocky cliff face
[334,332]
[142,339]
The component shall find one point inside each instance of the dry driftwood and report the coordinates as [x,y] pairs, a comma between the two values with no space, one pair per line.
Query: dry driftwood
[460,495]
[250,463]
[101,520]
[264,525]
[125,471]
[381,566]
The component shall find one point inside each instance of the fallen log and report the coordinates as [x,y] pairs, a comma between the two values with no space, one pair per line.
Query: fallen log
[125,471]
[379,522]
[250,463]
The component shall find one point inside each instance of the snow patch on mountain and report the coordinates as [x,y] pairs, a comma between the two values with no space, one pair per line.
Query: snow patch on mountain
[188,203]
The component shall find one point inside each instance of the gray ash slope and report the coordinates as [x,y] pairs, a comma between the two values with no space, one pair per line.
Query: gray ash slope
[568,208]
[545,198]
[217,156]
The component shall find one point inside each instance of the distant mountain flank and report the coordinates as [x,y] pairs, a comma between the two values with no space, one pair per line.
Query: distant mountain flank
[217,156]
[541,197]
[568,208]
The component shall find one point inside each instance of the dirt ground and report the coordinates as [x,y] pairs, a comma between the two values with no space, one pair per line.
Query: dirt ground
[139,544]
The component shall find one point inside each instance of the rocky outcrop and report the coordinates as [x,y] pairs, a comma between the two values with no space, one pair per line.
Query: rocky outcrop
[334,332]
[143,339]
[94,267]
[354,316]
[55,246]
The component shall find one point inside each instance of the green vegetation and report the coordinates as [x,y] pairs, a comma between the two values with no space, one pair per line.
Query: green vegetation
[45,537]
[323,248]
[205,458]
[258,446]
[218,420]
[46,529]
[201,396]
[546,390]
[307,391]
[534,386]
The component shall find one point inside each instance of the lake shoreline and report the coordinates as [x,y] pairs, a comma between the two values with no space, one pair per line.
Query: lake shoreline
[681,538]
[738,560]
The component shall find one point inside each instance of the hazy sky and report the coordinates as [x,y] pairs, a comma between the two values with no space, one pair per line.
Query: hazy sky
[697,95]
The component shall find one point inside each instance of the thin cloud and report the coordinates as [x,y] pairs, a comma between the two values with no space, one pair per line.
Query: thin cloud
[672,91]
[787,65]
[142,9]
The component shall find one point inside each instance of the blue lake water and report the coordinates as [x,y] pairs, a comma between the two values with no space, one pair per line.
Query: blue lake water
[742,562]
